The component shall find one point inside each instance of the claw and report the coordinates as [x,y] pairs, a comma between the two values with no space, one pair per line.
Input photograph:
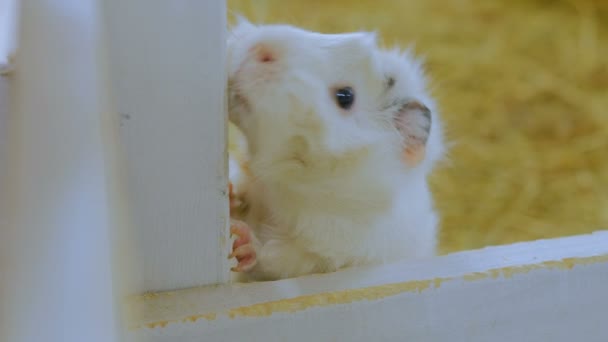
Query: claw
[246,258]
[241,268]
[243,252]
[242,249]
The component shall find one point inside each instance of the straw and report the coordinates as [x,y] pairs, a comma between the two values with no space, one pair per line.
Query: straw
[523,90]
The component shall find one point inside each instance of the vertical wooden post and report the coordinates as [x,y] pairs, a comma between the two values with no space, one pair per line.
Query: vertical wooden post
[8,15]
[57,281]
[168,80]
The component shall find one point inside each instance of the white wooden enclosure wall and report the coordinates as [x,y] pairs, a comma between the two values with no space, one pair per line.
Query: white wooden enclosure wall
[553,290]
[168,80]
[113,183]
[57,280]
[6,47]
[7,34]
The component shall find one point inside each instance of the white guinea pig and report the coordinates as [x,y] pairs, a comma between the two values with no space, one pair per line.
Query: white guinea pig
[341,137]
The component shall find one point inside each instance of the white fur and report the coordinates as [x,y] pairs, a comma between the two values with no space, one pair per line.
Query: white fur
[328,188]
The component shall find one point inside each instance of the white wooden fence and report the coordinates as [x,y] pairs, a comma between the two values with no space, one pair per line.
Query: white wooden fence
[57,279]
[113,187]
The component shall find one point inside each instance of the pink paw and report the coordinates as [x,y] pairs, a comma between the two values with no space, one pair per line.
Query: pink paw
[242,248]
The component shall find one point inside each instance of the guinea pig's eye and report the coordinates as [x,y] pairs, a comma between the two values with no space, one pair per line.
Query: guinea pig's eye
[345,97]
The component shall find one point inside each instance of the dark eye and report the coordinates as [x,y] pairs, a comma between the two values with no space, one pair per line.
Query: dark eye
[345,97]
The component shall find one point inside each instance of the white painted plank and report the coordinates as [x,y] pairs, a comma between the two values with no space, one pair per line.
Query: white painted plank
[4,257]
[8,17]
[167,70]
[551,290]
[4,131]
[57,279]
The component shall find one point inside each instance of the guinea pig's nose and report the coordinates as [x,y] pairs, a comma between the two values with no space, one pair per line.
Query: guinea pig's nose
[263,53]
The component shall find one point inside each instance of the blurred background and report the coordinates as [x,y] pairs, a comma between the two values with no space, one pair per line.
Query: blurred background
[523,90]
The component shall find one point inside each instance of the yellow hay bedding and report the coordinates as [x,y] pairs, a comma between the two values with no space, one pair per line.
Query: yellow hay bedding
[523,87]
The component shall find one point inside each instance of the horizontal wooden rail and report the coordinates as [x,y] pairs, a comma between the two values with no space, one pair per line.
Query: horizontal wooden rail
[549,290]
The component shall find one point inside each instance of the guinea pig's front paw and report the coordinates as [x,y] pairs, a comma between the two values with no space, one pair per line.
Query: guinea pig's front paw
[235,202]
[243,248]
[238,205]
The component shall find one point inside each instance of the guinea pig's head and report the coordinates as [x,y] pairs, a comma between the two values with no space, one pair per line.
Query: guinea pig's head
[327,94]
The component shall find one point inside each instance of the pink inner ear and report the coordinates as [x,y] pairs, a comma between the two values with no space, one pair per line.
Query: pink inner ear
[414,123]
[266,57]
[263,53]
[413,155]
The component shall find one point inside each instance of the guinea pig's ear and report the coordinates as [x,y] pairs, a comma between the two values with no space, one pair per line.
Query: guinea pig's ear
[241,24]
[239,29]
[413,121]
[362,40]
[240,20]
[352,44]
[367,39]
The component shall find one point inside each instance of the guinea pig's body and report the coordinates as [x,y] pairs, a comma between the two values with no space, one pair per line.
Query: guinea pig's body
[341,137]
